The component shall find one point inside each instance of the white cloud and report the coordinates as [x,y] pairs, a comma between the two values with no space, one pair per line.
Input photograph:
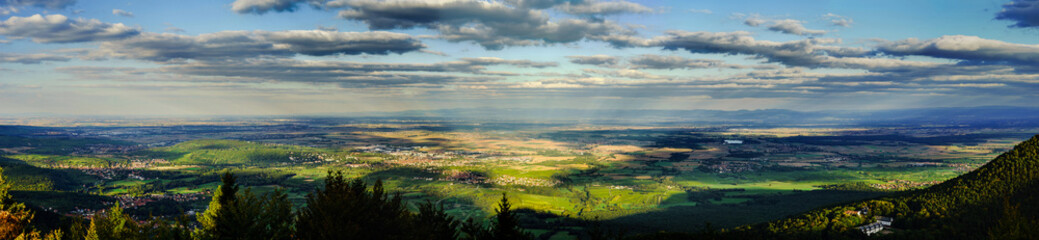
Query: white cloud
[838,20]
[790,26]
[120,12]
[598,60]
[264,6]
[60,29]
[493,25]
[972,49]
[247,44]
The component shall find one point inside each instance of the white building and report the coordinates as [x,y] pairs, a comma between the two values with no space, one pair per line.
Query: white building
[886,221]
[733,141]
[870,229]
[877,226]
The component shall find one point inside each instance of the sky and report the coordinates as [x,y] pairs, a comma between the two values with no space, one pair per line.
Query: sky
[305,57]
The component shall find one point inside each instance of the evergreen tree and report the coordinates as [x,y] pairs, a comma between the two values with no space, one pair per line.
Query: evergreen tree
[473,230]
[506,224]
[433,220]
[346,209]
[233,215]
[113,224]
[214,217]
[178,229]
[276,220]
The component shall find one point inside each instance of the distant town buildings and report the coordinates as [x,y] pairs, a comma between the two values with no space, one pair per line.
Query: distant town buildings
[733,141]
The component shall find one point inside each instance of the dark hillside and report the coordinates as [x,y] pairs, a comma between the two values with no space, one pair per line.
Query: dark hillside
[995,201]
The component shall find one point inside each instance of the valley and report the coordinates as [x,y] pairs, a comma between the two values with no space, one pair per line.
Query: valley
[560,176]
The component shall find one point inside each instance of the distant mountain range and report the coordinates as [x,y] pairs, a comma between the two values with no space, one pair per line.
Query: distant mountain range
[974,116]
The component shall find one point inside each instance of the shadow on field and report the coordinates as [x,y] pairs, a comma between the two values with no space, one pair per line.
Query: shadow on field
[690,219]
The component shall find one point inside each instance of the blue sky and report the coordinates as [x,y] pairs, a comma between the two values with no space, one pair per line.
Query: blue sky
[260,57]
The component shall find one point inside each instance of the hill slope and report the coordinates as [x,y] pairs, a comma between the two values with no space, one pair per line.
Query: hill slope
[233,152]
[995,201]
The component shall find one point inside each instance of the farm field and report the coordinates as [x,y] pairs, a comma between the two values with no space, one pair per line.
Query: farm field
[636,178]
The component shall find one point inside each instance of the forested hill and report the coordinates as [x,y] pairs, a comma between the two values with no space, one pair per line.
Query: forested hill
[995,201]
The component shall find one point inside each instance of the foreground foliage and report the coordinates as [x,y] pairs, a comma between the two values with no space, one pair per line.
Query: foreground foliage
[342,208]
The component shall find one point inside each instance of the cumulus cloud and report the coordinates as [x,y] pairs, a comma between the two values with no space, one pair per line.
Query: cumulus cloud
[583,7]
[48,4]
[650,61]
[838,20]
[496,37]
[753,21]
[30,58]
[322,43]
[60,29]
[970,49]
[341,73]
[492,25]
[625,73]
[411,13]
[120,12]
[94,71]
[793,82]
[247,44]
[790,26]
[499,61]
[603,8]
[812,52]
[1025,13]
[264,6]
[597,60]
[346,74]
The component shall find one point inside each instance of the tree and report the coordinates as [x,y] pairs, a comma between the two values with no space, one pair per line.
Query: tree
[506,225]
[433,220]
[234,215]
[159,228]
[346,208]
[14,216]
[113,224]
[473,230]
[211,220]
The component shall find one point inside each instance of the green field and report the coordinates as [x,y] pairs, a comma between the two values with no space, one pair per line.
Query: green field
[641,183]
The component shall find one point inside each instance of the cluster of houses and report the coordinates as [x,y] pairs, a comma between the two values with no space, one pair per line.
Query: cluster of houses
[417,153]
[465,177]
[729,166]
[879,223]
[305,157]
[899,184]
[522,181]
[134,202]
